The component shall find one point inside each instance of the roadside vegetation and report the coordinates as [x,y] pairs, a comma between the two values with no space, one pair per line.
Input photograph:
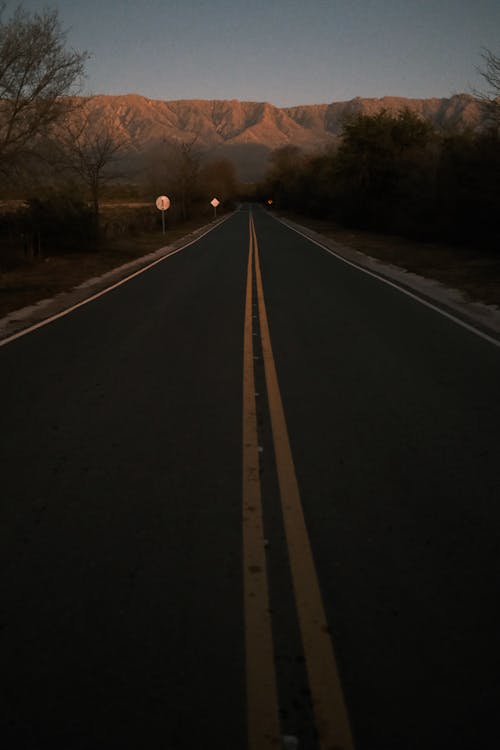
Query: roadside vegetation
[395,174]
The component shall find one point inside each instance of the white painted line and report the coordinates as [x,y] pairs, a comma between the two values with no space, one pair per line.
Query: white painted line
[401,289]
[85,301]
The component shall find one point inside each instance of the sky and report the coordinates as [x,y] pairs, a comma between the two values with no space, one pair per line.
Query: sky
[287,52]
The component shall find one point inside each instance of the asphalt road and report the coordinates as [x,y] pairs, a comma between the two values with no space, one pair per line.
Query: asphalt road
[125,592]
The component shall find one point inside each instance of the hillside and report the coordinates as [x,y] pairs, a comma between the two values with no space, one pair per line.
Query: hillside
[247,131]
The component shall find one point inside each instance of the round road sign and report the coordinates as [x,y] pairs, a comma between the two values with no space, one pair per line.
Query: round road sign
[162,202]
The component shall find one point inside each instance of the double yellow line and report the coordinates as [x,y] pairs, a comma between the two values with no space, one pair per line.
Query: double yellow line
[331,719]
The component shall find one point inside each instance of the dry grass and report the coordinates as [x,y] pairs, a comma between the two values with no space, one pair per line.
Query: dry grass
[472,271]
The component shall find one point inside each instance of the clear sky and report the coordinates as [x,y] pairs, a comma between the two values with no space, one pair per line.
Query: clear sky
[287,52]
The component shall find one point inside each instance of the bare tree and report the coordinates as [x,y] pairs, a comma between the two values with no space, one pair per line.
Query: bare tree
[490,73]
[218,180]
[87,147]
[37,73]
[183,168]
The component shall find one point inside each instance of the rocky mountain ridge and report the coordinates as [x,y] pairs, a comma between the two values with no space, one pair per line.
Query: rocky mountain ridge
[247,131]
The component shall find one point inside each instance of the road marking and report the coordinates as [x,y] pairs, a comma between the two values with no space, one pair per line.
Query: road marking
[85,301]
[262,697]
[328,702]
[430,305]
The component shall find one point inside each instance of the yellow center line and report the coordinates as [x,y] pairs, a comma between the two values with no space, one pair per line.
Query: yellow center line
[332,722]
[262,699]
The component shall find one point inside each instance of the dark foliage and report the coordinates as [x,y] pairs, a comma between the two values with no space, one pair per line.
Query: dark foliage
[468,189]
[59,222]
[395,174]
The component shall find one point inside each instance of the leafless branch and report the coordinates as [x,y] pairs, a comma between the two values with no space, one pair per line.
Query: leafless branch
[87,148]
[490,98]
[37,75]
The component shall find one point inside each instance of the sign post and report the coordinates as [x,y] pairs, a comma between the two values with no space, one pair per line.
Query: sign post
[163,204]
[214,202]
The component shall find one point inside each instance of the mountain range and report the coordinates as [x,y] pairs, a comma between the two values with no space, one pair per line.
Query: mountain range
[247,131]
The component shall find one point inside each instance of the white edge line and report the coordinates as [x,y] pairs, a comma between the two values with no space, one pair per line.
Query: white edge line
[401,289]
[102,292]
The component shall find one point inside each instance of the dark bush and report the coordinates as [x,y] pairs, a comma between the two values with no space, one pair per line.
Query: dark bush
[60,222]
[468,189]
[384,171]
[395,174]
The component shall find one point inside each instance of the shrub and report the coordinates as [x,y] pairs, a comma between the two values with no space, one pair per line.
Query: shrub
[60,222]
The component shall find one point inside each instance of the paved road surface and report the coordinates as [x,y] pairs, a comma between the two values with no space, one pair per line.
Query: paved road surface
[151,519]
